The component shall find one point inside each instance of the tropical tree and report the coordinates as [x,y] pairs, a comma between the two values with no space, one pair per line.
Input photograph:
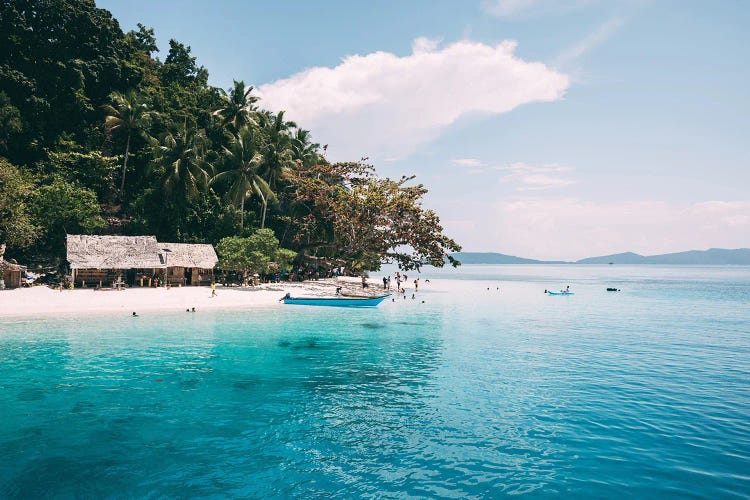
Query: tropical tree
[259,253]
[304,150]
[358,218]
[237,106]
[242,163]
[64,208]
[129,114]
[16,190]
[278,154]
[186,171]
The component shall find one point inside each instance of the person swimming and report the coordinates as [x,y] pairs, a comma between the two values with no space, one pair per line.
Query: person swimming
[134,314]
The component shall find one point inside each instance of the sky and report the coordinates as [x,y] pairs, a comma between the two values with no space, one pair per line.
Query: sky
[551,129]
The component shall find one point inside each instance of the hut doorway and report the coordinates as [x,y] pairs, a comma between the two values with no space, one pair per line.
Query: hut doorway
[130,276]
[189,276]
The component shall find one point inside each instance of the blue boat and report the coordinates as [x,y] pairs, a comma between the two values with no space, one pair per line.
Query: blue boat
[335,301]
[561,292]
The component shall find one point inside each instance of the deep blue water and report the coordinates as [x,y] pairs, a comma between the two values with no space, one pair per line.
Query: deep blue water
[473,393]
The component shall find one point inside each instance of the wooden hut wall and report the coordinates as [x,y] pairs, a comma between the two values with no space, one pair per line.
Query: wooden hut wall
[176,275]
[202,276]
[12,278]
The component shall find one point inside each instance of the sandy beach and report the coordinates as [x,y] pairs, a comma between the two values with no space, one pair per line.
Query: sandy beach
[43,301]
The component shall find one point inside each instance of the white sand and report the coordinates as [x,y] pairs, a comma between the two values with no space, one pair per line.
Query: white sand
[43,301]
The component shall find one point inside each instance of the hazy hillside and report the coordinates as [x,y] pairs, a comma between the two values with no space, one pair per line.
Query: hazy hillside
[712,257]
[619,258]
[497,258]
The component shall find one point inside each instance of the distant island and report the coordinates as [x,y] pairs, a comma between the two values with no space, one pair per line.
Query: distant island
[711,257]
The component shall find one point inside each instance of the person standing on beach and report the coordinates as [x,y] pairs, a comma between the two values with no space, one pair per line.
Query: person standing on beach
[416,285]
[385,283]
[364,281]
[213,289]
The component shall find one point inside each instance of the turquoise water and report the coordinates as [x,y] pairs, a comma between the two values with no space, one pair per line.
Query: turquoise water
[473,393]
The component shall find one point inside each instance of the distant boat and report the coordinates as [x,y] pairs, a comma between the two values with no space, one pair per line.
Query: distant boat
[335,301]
[561,292]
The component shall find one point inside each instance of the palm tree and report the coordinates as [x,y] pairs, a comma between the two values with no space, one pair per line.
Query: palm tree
[237,106]
[279,153]
[243,162]
[183,156]
[305,151]
[127,113]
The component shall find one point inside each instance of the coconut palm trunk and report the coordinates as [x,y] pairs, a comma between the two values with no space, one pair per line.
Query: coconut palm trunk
[242,212]
[125,164]
[264,201]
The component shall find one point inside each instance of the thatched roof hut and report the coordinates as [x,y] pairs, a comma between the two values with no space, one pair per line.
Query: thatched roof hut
[114,252]
[189,255]
[12,275]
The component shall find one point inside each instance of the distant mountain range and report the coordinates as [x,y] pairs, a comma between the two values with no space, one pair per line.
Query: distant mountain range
[711,257]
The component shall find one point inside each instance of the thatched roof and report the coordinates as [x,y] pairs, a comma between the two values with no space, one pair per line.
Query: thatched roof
[189,255]
[8,266]
[113,252]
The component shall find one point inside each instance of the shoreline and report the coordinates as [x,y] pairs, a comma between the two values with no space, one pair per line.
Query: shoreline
[42,301]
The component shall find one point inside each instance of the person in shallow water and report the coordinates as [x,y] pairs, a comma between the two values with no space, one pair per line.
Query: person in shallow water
[134,314]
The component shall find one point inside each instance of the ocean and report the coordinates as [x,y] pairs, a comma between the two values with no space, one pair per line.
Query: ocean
[481,386]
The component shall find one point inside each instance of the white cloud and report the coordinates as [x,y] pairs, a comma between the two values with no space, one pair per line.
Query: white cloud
[597,37]
[468,162]
[541,181]
[381,104]
[570,228]
[530,177]
[510,8]
[423,44]
[505,8]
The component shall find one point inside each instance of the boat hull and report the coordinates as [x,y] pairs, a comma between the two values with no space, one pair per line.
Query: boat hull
[560,293]
[335,301]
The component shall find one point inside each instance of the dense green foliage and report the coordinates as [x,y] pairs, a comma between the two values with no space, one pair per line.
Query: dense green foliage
[258,253]
[98,135]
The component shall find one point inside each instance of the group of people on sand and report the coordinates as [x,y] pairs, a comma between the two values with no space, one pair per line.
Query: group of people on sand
[400,279]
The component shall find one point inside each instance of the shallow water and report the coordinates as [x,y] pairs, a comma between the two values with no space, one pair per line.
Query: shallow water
[473,393]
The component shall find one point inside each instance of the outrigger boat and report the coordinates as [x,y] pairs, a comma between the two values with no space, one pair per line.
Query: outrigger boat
[561,292]
[335,301]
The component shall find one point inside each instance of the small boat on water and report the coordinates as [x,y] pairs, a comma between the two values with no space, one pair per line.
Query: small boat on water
[340,301]
[561,292]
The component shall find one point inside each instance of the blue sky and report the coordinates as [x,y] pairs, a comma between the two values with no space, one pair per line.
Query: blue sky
[543,128]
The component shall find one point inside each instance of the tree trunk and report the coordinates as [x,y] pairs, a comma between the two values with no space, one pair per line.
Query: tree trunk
[263,219]
[242,213]
[125,165]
